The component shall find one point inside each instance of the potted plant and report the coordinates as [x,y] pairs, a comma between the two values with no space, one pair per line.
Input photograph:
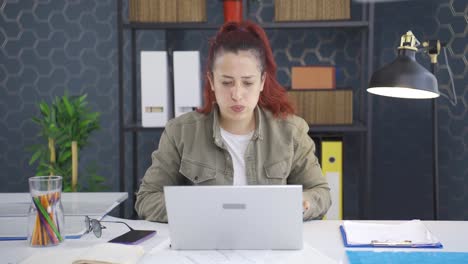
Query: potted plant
[65,125]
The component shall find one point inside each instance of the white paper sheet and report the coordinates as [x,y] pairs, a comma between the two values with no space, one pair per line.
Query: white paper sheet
[163,254]
[364,233]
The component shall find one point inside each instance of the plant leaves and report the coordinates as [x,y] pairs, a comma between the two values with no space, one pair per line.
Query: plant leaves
[36,156]
[68,106]
[64,156]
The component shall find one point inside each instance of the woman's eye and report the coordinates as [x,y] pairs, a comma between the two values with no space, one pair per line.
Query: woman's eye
[248,83]
[226,83]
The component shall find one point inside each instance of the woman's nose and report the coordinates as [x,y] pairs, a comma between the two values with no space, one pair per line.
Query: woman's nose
[236,93]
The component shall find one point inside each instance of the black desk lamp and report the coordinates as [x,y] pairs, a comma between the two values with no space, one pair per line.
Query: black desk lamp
[405,78]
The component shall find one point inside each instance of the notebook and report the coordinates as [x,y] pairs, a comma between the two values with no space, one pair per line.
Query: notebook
[103,253]
[235,217]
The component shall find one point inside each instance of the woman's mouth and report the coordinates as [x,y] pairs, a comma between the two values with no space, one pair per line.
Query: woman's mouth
[237,108]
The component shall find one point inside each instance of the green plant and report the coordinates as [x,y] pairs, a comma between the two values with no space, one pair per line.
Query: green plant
[66,125]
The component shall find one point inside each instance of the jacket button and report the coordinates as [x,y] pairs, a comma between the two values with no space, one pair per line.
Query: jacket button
[196,178]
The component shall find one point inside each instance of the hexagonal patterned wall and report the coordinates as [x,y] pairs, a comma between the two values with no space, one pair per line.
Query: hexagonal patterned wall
[402,134]
[47,47]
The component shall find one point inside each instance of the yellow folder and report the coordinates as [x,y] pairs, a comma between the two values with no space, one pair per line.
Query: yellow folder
[332,167]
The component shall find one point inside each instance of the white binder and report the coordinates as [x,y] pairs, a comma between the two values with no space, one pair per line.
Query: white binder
[187,82]
[155,103]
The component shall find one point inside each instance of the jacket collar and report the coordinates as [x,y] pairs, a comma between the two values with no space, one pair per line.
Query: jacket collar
[258,133]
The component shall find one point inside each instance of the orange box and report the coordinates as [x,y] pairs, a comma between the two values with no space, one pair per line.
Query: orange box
[313,77]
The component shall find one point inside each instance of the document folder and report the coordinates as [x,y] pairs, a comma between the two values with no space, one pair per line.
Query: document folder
[187,81]
[332,167]
[411,234]
[155,104]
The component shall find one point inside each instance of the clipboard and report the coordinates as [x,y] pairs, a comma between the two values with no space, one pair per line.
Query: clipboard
[380,244]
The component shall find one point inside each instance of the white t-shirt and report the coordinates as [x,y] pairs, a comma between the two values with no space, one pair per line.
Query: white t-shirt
[236,145]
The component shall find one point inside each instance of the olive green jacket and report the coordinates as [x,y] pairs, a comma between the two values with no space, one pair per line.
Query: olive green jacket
[192,152]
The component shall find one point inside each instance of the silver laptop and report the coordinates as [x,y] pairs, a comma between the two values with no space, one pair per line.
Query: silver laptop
[235,217]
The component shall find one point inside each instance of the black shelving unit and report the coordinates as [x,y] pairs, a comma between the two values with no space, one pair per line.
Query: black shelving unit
[362,126]
[279,25]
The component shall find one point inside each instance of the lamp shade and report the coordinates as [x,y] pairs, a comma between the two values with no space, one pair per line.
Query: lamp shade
[404,78]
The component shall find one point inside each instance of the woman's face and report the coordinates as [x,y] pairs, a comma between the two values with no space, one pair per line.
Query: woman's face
[237,82]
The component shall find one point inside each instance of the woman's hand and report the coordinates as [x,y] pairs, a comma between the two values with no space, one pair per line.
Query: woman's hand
[305,206]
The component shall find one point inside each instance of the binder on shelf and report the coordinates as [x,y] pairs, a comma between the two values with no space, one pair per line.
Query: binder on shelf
[332,167]
[187,81]
[409,234]
[155,104]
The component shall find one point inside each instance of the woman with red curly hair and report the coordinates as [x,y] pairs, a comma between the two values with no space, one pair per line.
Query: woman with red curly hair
[246,133]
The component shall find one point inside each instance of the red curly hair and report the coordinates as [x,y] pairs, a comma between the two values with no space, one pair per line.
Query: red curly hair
[248,36]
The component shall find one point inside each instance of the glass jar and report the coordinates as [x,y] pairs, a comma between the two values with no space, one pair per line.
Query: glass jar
[45,216]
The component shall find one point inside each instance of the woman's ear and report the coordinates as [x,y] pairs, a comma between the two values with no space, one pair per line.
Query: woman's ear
[262,84]
[209,76]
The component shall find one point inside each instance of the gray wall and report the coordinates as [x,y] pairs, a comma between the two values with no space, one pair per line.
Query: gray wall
[47,47]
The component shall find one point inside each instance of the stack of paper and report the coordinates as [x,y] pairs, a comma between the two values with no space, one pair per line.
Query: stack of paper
[408,234]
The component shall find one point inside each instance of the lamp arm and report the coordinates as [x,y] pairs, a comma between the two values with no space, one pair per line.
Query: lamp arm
[433,48]
[454,95]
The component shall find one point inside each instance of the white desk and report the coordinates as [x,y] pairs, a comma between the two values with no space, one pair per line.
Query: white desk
[321,235]
[14,208]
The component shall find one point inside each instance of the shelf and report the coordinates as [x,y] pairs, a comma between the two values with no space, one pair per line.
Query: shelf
[272,25]
[179,26]
[139,127]
[354,128]
[359,128]
[316,24]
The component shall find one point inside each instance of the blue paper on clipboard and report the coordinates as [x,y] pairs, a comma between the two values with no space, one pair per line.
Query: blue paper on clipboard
[406,257]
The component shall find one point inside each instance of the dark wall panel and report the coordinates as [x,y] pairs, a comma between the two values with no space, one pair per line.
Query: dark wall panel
[402,128]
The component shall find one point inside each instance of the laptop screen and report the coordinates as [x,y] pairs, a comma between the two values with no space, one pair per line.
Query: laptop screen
[235,217]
